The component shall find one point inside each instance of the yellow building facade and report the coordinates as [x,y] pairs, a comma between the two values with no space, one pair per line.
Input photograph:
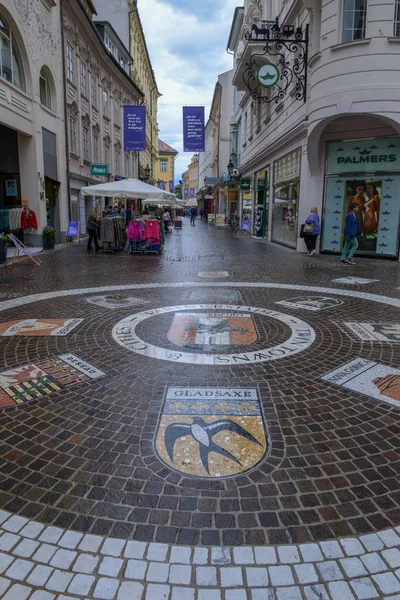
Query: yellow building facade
[165,166]
[143,75]
[191,179]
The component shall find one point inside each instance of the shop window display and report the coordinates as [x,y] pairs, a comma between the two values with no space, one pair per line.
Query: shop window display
[286,198]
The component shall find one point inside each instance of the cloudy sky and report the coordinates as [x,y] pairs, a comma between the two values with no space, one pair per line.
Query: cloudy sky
[187,44]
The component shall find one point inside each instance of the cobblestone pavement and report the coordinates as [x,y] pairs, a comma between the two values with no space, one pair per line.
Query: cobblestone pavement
[219,421]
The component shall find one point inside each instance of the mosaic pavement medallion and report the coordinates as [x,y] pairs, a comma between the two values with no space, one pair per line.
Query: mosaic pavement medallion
[115,301]
[213,274]
[39,327]
[211,432]
[375,332]
[314,303]
[354,280]
[370,378]
[215,295]
[212,330]
[302,334]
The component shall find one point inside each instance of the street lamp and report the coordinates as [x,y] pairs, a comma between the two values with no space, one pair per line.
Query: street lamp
[147,172]
[231,167]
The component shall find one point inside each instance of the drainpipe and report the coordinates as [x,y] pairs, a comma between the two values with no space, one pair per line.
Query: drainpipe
[65,110]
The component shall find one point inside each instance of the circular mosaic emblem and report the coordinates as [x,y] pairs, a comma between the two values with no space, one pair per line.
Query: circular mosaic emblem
[223,326]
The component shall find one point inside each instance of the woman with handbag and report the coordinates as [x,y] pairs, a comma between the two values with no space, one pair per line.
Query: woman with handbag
[311,230]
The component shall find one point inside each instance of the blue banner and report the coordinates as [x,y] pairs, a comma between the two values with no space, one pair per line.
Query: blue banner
[192,192]
[193,129]
[185,193]
[162,184]
[171,187]
[134,128]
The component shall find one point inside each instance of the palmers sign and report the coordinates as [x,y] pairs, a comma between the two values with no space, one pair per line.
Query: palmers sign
[363,156]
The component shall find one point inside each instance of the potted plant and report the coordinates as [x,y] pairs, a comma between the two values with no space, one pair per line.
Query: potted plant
[4,241]
[49,238]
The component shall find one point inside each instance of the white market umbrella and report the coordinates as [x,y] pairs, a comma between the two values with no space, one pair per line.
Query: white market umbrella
[128,188]
[191,202]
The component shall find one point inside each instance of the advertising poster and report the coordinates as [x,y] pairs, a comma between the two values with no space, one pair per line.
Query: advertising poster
[134,128]
[367,195]
[220,220]
[193,129]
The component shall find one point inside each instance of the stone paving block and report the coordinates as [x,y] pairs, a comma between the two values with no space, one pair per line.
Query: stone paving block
[130,590]
[265,556]
[51,535]
[389,537]
[372,542]
[86,563]
[19,569]
[364,589]
[106,588]
[387,583]
[157,592]
[17,592]
[311,552]
[111,566]
[31,530]
[135,569]
[263,594]
[14,524]
[63,559]
[4,585]
[221,555]
[8,541]
[70,539]
[243,555]
[113,547]
[157,572]
[331,549]
[329,571]
[373,562]
[315,592]
[135,549]
[392,557]
[208,594]
[206,576]
[179,593]
[81,585]
[5,561]
[200,556]
[39,575]
[42,595]
[235,595]
[59,581]
[257,576]
[288,593]
[352,547]
[288,554]
[180,574]
[306,573]
[353,567]
[231,576]
[180,554]
[44,553]
[90,543]
[26,548]
[4,515]
[340,590]
[157,552]
[281,576]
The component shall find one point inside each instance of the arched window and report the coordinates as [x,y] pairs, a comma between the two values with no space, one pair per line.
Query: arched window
[10,58]
[45,89]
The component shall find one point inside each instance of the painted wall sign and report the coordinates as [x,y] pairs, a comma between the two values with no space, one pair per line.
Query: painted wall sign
[99,170]
[211,432]
[314,303]
[370,378]
[39,327]
[134,128]
[376,332]
[359,156]
[193,129]
[302,336]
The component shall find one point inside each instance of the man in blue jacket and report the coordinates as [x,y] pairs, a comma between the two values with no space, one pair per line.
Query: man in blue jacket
[350,233]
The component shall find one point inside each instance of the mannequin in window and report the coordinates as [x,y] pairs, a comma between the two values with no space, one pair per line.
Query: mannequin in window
[371,208]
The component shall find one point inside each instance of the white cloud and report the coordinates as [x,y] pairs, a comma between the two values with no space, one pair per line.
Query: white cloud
[187,53]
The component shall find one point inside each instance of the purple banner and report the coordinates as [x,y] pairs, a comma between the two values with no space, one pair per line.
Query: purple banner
[192,192]
[162,184]
[185,193]
[193,129]
[134,128]
[171,187]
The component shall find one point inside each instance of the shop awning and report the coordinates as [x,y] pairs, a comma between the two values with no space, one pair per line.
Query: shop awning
[128,188]
[191,202]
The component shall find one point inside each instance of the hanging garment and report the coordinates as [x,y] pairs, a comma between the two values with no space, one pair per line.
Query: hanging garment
[28,219]
[135,231]
[152,231]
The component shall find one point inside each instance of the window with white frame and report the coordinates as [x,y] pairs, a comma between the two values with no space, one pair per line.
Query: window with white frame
[70,63]
[72,134]
[85,139]
[354,20]
[163,165]
[105,103]
[94,92]
[95,148]
[10,60]
[117,163]
[396,32]
[44,88]
[83,79]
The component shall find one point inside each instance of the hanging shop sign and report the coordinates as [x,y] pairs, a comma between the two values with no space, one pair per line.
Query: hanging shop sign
[193,129]
[245,184]
[282,65]
[161,184]
[134,128]
[192,192]
[362,156]
[171,186]
[99,169]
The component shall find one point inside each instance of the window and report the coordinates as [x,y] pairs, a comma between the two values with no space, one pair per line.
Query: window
[95,148]
[109,45]
[105,103]
[94,92]
[354,18]
[44,88]
[163,165]
[10,60]
[70,63]
[116,112]
[396,32]
[122,61]
[85,137]
[83,79]
[72,134]
[117,163]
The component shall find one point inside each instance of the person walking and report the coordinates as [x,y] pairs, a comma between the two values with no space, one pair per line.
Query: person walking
[91,227]
[166,219]
[312,230]
[351,232]
[193,215]
[201,214]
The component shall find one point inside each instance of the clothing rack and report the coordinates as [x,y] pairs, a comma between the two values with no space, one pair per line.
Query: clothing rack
[112,234]
[145,236]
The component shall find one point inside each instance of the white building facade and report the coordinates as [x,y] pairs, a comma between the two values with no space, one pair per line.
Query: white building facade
[339,145]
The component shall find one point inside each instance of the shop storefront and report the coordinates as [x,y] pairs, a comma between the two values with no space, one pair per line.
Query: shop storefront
[261,202]
[366,172]
[286,180]
[10,187]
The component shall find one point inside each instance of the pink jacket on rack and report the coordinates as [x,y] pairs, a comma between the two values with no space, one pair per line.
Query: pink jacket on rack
[152,231]
[135,233]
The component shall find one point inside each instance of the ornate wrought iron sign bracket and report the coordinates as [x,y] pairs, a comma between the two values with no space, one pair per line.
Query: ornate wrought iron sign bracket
[282,66]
